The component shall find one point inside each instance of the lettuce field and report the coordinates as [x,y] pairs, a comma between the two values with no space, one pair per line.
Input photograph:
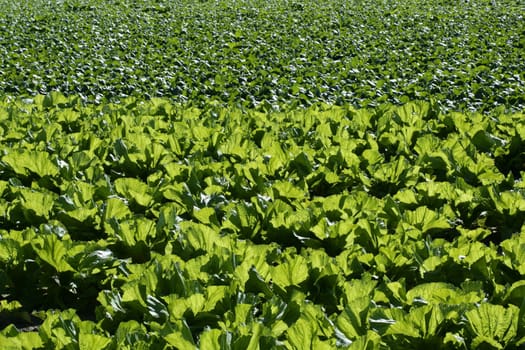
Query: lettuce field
[262,174]
[466,54]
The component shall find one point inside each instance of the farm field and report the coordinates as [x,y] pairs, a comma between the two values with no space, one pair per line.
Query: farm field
[262,174]
[468,55]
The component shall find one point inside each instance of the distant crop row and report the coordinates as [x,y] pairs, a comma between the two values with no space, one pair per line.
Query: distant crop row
[464,54]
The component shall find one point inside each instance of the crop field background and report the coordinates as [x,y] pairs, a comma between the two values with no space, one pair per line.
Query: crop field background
[262,174]
[467,54]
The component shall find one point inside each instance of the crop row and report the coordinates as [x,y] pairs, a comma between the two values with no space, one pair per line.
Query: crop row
[150,225]
[468,55]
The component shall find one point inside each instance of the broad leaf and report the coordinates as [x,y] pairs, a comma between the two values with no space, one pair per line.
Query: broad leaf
[134,190]
[290,273]
[53,251]
[492,324]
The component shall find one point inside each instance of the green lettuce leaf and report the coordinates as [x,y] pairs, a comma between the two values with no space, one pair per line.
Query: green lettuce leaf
[492,325]
[290,273]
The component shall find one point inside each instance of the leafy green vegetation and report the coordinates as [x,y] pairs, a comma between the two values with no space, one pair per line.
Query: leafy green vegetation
[148,224]
[262,174]
[465,54]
